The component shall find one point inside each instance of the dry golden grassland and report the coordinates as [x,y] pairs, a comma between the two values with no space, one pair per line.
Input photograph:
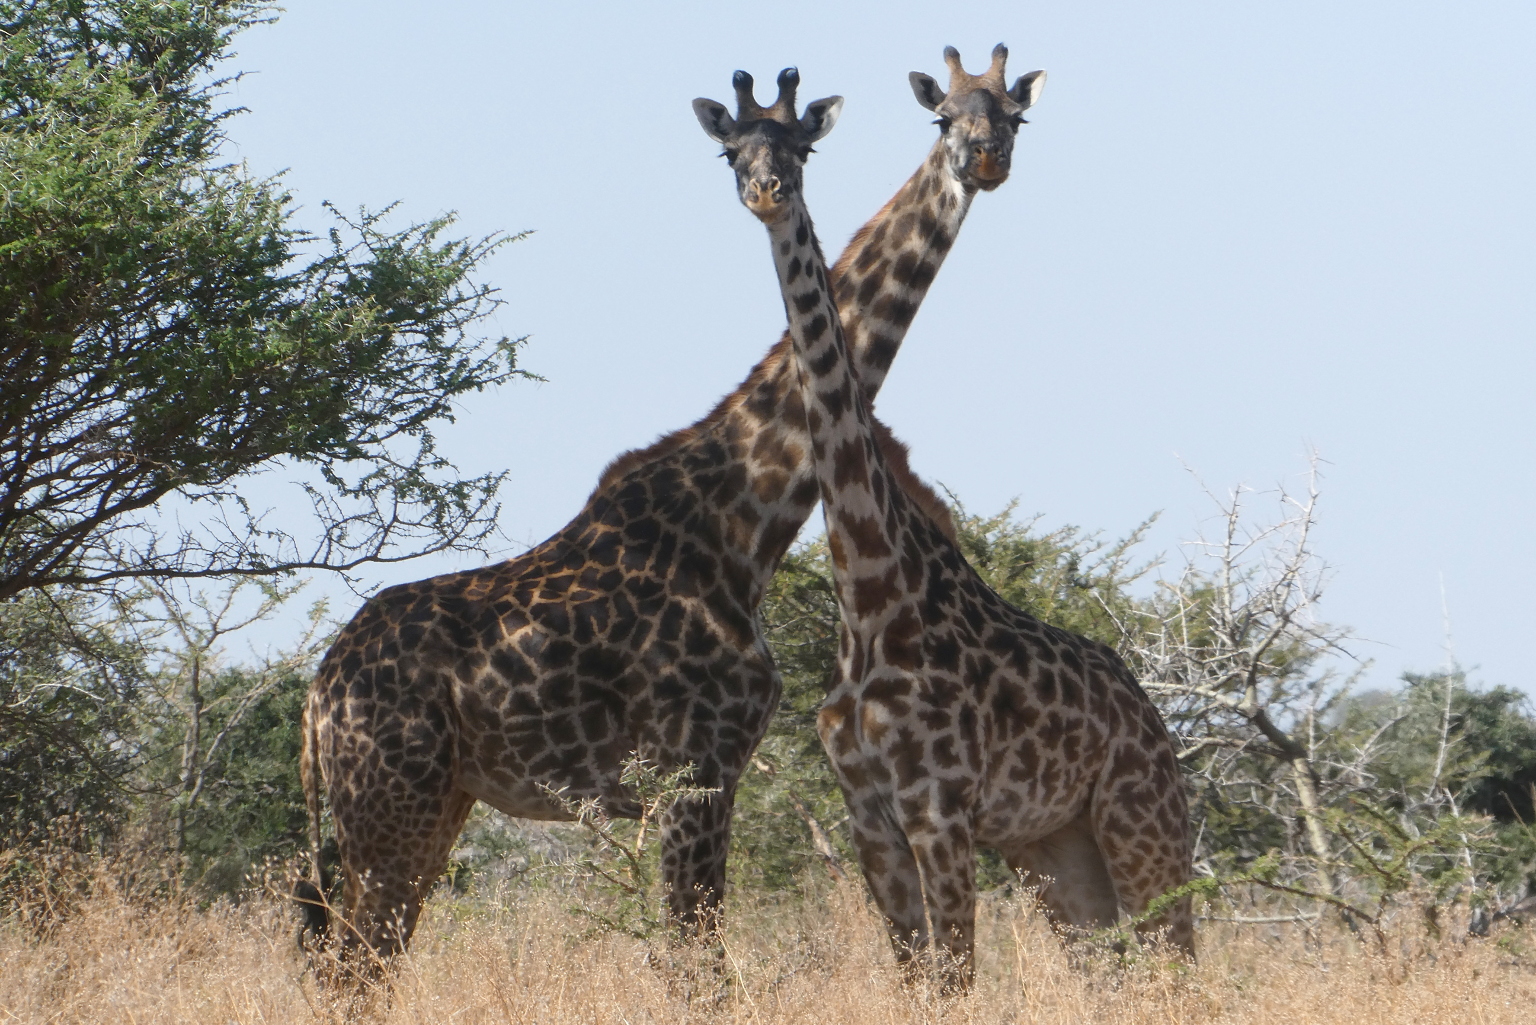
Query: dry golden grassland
[820,960]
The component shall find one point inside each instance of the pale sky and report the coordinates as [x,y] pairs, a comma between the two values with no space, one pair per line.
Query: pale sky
[1234,233]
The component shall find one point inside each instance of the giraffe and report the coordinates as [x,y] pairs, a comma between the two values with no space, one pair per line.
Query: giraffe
[953,719]
[633,631]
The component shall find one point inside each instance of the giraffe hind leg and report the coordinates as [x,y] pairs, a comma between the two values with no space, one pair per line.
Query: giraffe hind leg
[1143,833]
[1073,885]
[390,860]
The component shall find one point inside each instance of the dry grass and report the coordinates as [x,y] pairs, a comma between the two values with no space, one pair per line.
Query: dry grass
[824,960]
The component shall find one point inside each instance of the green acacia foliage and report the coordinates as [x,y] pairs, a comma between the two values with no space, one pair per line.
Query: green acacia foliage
[772,845]
[252,806]
[69,686]
[1492,759]
[1065,577]
[127,709]
[1470,749]
[167,329]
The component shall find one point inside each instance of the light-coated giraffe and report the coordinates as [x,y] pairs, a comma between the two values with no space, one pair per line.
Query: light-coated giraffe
[632,631]
[954,719]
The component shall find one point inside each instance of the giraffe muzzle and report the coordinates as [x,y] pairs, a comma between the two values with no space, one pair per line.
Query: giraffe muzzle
[764,196]
[987,169]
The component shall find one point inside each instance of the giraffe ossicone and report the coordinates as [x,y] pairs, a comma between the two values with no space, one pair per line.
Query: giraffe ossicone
[956,720]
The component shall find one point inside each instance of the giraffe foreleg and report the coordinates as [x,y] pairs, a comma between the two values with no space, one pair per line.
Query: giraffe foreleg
[945,852]
[885,854]
[695,840]
[890,869]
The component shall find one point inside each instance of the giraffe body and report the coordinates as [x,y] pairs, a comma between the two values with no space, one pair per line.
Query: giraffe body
[632,631]
[954,719]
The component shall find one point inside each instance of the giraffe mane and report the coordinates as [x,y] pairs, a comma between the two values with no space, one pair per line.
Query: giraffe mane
[895,451]
[625,462]
[767,367]
[897,461]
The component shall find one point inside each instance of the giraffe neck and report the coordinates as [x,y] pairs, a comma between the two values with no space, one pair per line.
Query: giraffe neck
[866,512]
[884,273]
[750,457]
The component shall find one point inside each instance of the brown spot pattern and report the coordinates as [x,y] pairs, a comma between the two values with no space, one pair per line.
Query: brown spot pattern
[630,631]
[959,720]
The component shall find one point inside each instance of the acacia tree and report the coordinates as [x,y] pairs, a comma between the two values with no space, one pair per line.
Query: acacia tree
[162,339]
[219,728]
[200,701]
[1231,650]
[1446,749]
[1321,801]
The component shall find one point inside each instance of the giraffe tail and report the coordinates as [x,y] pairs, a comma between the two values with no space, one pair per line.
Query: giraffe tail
[309,892]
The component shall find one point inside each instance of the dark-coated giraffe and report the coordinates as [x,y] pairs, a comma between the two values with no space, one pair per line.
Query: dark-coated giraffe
[632,631]
[954,719]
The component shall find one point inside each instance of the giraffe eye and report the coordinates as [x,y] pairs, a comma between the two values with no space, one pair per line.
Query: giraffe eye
[1017,120]
[943,123]
[730,156]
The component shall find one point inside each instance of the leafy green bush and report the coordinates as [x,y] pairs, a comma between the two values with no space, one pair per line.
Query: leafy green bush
[164,334]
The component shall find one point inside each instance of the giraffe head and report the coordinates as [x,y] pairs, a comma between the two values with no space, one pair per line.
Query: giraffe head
[767,146]
[978,117]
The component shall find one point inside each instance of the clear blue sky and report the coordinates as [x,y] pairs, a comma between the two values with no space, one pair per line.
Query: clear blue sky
[1234,232]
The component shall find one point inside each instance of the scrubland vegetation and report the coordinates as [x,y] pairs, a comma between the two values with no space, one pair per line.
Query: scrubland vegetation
[127,952]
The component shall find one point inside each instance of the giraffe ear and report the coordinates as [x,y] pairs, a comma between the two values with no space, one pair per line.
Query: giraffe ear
[1027,90]
[928,92]
[820,116]
[717,121]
